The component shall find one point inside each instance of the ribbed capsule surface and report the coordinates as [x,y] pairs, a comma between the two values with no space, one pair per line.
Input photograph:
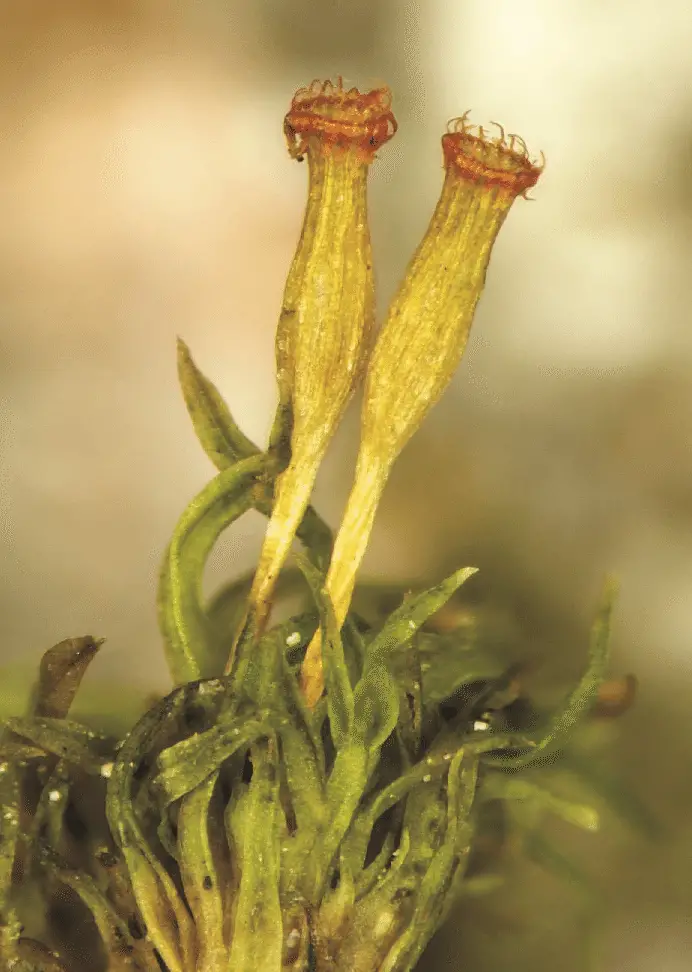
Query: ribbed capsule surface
[429,320]
[327,316]
[326,323]
[425,332]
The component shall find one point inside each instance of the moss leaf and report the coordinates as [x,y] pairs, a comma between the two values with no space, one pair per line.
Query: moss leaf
[200,873]
[403,623]
[340,700]
[60,674]
[190,651]
[68,740]
[561,725]
[217,431]
[255,829]
[168,922]
[124,951]
[190,762]
[376,708]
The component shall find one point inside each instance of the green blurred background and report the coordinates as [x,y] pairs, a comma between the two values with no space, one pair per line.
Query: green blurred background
[146,192]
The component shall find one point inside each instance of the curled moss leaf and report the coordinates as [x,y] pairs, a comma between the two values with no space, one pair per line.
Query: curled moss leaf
[17,751]
[61,672]
[126,953]
[182,620]
[68,740]
[166,917]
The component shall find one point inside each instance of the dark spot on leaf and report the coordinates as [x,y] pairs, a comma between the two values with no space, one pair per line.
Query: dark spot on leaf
[123,947]
[401,894]
[106,859]
[141,769]
[207,883]
[195,717]
[136,928]
[74,823]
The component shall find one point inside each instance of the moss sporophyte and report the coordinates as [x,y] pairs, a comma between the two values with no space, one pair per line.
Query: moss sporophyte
[310,795]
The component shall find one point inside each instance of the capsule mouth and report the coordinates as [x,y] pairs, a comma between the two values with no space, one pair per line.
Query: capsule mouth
[501,161]
[339,119]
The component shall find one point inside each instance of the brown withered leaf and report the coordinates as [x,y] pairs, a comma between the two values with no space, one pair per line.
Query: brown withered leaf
[60,674]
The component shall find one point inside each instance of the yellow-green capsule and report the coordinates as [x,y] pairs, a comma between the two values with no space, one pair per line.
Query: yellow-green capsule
[326,324]
[424,334]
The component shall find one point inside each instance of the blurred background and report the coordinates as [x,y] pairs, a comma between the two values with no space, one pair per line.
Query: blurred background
[146,192]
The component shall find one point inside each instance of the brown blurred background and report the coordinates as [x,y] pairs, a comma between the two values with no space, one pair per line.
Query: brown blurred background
[146,192]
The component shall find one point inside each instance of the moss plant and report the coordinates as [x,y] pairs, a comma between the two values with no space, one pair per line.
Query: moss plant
[316,794]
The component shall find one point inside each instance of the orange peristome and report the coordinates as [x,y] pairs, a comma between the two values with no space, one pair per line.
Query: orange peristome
[495,162]
[339,118]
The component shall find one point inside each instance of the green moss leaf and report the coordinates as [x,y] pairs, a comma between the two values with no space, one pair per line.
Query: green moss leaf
[577,704]
[190,651]
[615,794]
[447,662]
[9,837]
[124,951]
[218,433]
[255,827]
[201,869]
[168,922]
[345,789]
[187,764]
[340,701]
[435,891]
[47,825]
[414,612]
[32,956]
[376,708]
[302,758]
[500,787]
[66,739]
